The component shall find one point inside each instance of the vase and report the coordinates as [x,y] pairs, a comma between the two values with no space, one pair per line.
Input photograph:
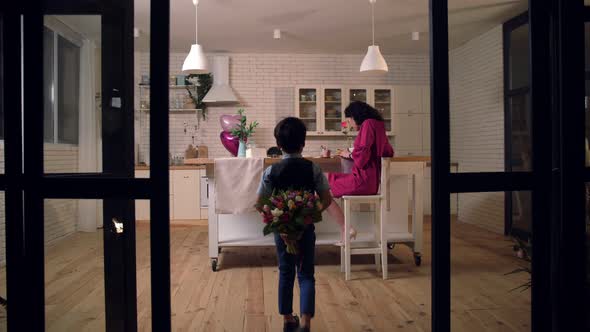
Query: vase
[242,149]
[349,142]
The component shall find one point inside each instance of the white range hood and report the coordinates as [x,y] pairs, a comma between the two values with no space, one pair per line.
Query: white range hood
[221,91]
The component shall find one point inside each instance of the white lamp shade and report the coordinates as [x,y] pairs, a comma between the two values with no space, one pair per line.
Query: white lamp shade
[196,61]
[374,61]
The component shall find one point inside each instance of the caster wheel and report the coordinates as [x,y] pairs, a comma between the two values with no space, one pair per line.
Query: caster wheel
[417,259]
[214,265]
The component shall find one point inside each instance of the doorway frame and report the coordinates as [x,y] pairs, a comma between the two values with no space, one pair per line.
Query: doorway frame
[557,194]
[27,186]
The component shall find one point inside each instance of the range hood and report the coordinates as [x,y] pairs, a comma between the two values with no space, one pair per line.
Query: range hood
[221,91]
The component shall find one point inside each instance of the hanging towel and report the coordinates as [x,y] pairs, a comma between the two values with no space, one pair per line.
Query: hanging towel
[236,182]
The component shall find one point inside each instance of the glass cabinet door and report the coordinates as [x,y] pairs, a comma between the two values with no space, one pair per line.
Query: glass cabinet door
[333,110]
[382,99]
[308,108]
[357,95]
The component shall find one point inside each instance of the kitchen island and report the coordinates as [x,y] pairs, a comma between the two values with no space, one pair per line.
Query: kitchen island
[245,230]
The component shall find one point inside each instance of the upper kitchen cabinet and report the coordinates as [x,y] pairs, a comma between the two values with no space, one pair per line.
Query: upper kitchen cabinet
[322,107]
[307,108]
[333,109]
[408,99]
[411,124]
[357,94]
[382,99]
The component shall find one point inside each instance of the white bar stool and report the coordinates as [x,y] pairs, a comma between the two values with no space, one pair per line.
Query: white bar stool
[378,247]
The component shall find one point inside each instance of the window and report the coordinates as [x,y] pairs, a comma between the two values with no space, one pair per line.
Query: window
[61,84]
[518,122]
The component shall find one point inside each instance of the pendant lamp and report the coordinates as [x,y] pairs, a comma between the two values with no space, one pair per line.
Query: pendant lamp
[374,61]
[196,61]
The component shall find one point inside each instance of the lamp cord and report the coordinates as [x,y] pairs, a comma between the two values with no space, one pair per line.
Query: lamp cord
[196,3]
[373,20]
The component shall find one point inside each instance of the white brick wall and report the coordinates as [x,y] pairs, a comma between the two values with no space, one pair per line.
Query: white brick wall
[60,215]
[477,122]
[265,86]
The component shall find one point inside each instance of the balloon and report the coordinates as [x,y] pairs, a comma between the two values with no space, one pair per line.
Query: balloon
[230,142]
[229,122]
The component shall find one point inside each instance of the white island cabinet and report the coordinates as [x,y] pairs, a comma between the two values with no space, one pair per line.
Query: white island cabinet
[245,229]
[185,191]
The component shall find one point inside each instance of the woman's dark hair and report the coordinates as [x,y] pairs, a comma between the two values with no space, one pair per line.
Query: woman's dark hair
[290,134]
[361,111]
[273,152]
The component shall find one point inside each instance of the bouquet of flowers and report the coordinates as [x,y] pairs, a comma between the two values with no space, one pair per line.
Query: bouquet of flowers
[288,212]
[344,126]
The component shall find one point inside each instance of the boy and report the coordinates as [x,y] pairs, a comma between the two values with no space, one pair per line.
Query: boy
[294,172]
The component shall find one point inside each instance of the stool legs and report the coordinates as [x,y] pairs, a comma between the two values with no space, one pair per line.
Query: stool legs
[377,237]
[342,259]
[347,216]
[382,239]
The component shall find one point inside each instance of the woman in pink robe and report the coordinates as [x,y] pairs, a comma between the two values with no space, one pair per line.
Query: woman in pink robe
[370,146]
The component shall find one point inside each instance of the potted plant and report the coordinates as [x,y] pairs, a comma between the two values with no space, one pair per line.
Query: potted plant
[202,84]
[523,251]
[243,131]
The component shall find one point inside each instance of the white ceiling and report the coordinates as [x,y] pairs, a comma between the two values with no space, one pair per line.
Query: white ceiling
[320,26]
[86,25]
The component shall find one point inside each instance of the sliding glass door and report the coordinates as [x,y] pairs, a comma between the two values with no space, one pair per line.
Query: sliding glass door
[67,108]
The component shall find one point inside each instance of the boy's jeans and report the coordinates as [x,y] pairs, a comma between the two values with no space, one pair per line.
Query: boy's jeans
[304,263]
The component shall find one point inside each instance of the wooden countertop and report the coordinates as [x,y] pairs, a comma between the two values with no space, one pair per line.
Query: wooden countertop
[173,167]
[208,161]
[319,161]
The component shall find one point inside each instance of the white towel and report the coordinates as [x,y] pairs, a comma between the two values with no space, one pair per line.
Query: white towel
[236,182]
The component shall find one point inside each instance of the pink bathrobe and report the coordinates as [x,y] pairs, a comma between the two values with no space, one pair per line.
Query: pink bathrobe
[370,146]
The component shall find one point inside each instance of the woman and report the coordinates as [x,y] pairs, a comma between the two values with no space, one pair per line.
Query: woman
[370,146]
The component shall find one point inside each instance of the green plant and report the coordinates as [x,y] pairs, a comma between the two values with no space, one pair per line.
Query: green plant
[523,251]
[243,131]
[202,86]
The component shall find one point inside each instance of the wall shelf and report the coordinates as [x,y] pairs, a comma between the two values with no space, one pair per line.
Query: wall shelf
[147,86]
[175,110]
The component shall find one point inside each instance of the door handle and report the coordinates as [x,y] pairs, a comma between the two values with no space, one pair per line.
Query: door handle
[118,225]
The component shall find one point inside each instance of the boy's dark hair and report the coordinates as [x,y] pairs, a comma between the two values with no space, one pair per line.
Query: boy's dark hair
[290,134]
[361,111]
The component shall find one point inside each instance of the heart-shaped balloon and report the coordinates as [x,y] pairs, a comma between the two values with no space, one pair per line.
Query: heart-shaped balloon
[229,122]
[230,142]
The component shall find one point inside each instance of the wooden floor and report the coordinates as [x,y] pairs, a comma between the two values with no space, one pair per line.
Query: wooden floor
[242,296]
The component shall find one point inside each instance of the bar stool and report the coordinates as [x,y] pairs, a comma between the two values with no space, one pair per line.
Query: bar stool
[378,247]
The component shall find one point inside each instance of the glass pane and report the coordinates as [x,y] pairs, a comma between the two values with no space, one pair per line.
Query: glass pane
[68,78]
[72,120]
[74,265]
[519,57]
[587,107]
[479,108]
[383,105]
[3,326]
[521,130]
[587,95]
[49,88]
[308,108]
[587,255]
[143,264]
[587,43]
[358,95]
[333,109]
[490,273]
